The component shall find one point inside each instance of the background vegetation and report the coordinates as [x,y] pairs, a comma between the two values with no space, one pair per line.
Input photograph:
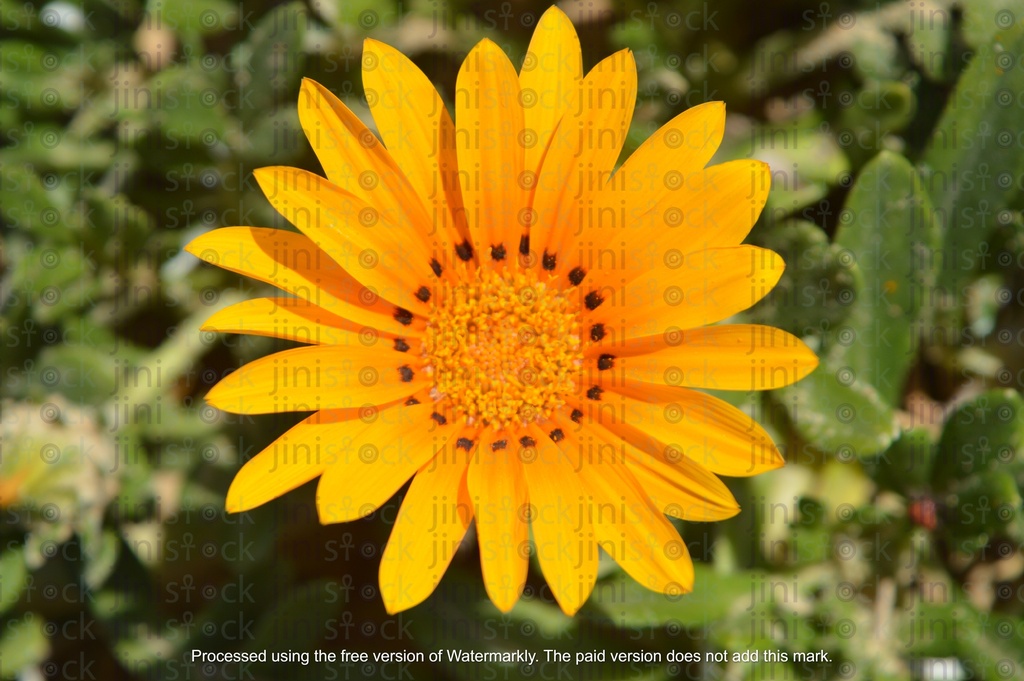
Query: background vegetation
[892,540]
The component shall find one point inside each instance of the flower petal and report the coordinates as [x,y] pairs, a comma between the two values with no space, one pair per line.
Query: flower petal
[298,456]
[293,263]
[683,145]
[354,159]
[583,150]
[418,133]
[550,78]
[500,505]
[683,486]
[662,486]
[654,213]
[632,530]
[488,139]
[430,526]
[682,291]
[559,517]
[372,465]
[374,246]
[318,377]
[289,318]
[727,357]
[679,425]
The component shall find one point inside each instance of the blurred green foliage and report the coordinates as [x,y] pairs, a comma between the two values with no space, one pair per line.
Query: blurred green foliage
[893,537]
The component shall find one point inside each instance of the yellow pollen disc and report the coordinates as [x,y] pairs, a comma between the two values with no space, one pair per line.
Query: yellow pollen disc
[503,348]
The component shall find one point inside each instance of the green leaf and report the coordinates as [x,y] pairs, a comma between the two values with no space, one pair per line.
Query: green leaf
[805,163]
[927,629]
[13,574]
[205,18]
[984,19]
[834,411]
[22,644]
[26,203]
[877,110]
[187,104]
[984,433]
[274,58]
[297,620]
[37,80]
[906,466]
[367,14]
[276,137]
[995,504]
[816,288]
[714,597]
[888,229]
[974,158]
[100,556]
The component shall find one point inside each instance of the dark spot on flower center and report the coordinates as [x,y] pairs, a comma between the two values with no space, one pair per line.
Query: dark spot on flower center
[403,316]
[592,300]
[464,250]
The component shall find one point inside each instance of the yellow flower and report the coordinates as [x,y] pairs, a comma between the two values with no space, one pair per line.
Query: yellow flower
[495,312]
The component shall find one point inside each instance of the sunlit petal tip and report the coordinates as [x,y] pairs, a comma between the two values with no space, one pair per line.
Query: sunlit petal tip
[555,30]
[571,600]
[806,360]
[309,86]
[392,606]
[268,177]
[686,586]
[761,182]
[327,510]
[554,13]
[570,608]
[236,497]
[488,44]
[265,476]
[503,602]
[774,461]
[401,588]
[310,95]
[215,397]
[377,48]
[710,116]
[485,48]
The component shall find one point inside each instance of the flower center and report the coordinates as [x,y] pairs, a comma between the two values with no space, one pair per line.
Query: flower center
[504,348]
